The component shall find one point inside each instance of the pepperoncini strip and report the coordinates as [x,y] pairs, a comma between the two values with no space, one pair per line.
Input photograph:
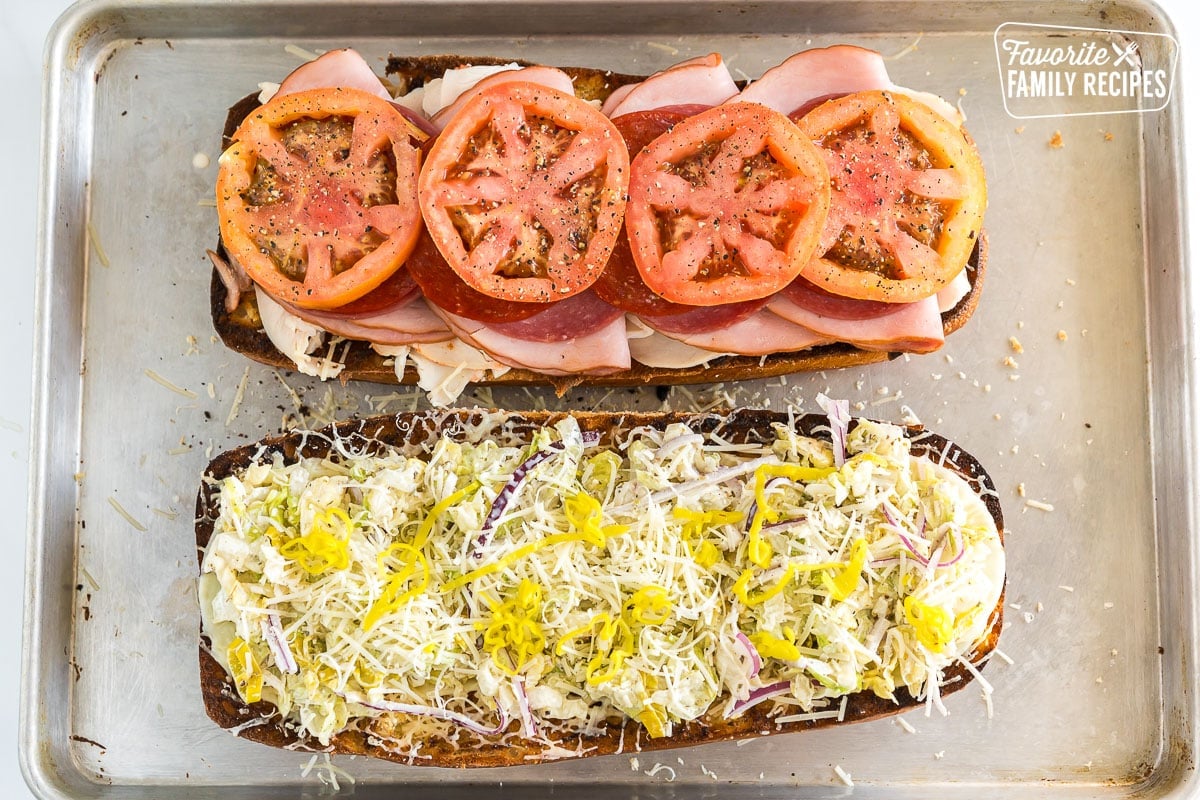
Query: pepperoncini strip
[649,605]
[741,587]
[394,595]
[845,582]
[247,674]
[933,624]
[757,550]
[584,514]
[695,523]
[771,646]
[438,509]
[654,718]
[324,547]
[514,629]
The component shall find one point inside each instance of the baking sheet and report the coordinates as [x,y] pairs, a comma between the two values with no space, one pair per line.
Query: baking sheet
[1093,415]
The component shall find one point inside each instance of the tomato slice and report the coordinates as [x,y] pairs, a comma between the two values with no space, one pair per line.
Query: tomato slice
[726,207]
[317,195]
[441,286]
[524,192]
[908,197]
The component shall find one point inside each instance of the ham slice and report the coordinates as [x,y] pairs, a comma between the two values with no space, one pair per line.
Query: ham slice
[600,352]
[816,75]
[543,76]
[760,334]
[663,352]
[344,68]
[703,81]
[407,323]
[912,327]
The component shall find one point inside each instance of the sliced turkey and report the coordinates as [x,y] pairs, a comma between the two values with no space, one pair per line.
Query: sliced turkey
[600,352]
[914,327]
[704,81]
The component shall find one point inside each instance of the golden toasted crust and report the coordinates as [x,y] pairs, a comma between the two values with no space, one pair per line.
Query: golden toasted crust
[241,330]
[226,708]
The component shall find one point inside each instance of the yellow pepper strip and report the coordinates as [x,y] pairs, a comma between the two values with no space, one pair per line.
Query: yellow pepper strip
[394,594]
[438,509]
[649,605]
[933,624]
[247,674]
[616,661]
[575,633]
[845,582]
[514,629]
[582,511]
[742,584]
[325,546]
[770,646]
[654,717]
[695,523]
[758,551]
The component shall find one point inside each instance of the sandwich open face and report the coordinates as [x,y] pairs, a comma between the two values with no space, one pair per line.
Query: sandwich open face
[485,589]
[507,223]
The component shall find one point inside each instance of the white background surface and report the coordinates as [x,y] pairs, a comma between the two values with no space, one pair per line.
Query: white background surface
[23,29]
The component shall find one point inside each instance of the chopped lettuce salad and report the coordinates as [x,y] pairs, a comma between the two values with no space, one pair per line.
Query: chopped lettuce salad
[559,584]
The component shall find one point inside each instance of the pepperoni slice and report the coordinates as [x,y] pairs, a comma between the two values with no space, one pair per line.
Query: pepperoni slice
[809,296]
[442,286]
[396,292]
[578,315]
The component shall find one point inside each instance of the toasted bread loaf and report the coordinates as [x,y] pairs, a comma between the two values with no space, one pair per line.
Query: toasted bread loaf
[241,329]
[261,722]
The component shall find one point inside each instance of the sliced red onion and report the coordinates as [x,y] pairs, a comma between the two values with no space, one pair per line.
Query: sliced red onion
[784,523]
[752,651]
[529,725]
[924,561]
[432,711]
[420,122]
[277,643]
[838,412]
[509,491]
[758,695]
[752,512]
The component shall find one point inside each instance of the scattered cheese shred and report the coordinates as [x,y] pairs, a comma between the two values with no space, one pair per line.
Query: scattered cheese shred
[905,724]
[843,776]
[1039,505]
[161,381]
[94,238]
[237,397]
[112,501]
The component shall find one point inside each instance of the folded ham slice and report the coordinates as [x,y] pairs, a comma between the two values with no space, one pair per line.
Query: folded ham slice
[760,334]
[704,80]
[914,327]
[815,75]
[542,76]
[344,68]
[603,351]
[405,324]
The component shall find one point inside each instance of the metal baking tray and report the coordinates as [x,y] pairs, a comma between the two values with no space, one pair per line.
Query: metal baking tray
[1097,421]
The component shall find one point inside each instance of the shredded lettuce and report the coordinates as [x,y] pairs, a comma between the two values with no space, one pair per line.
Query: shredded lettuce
[614,582]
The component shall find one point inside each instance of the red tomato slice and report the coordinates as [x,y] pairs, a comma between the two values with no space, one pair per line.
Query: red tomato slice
[442,287]
[524,192]
[317,195]
[726,207]
[908,197]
